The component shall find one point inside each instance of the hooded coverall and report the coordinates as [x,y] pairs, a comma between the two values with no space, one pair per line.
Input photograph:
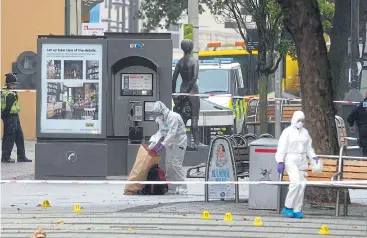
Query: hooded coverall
[293,147]
[175,142]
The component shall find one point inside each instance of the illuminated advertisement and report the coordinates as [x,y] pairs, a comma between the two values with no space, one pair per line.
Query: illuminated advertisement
[71,88]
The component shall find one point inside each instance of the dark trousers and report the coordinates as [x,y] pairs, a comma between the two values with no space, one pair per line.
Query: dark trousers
[364,151]
[12,133]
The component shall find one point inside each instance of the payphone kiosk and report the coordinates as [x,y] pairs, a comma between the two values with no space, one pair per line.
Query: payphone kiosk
[93,117]
[140,76]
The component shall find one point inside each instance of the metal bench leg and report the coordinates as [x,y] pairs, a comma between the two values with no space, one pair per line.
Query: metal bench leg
[279,199]
[237,192]
[337,204]
[346,202]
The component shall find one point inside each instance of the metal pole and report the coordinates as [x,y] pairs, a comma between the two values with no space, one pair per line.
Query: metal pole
[355,30]
[193,18]
[67,17]
[278,95]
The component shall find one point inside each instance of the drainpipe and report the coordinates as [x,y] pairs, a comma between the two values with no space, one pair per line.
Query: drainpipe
[67,17]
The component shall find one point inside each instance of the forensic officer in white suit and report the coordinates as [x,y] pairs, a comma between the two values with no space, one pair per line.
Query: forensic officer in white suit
[175,143]
[294,146]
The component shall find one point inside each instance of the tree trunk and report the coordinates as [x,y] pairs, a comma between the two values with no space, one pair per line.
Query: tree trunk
[263,90]
[338,54]
[302,20]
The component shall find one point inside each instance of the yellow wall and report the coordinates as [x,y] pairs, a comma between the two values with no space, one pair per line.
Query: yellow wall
[21,22]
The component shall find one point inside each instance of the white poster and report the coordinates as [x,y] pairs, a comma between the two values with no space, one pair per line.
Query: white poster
[220,170]
[71,88]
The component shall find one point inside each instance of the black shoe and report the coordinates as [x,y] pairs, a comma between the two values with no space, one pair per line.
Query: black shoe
[24,159]
[7,160]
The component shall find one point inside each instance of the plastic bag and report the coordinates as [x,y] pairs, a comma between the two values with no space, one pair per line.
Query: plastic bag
[152,141]
[316,168]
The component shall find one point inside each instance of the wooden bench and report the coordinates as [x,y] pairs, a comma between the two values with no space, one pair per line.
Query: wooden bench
[353,170]
[288,110]
[270,113]
[330,170]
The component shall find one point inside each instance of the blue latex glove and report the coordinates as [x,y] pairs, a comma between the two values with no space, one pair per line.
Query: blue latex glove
[160,148]
[316,159]
[280,167]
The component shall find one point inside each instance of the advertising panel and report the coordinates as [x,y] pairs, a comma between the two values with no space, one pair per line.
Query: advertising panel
[71,79]
[221,170]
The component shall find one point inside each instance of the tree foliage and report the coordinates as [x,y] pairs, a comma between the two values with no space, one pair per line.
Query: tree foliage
[163,13]
[266,15]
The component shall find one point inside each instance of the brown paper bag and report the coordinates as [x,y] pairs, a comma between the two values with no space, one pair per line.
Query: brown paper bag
[145,160]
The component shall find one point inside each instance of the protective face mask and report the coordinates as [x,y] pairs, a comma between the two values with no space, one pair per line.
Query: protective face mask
[299,125]
[160,124]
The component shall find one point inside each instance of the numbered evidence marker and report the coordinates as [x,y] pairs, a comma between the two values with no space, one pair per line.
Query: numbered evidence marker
[258,221]
[77,207]
[228,216]
[205,215]
[46,203]
[324,230]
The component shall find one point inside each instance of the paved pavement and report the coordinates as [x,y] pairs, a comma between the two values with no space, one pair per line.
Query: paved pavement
[20,170]
[106,212]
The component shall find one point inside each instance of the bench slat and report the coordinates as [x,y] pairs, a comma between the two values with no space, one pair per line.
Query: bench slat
[291,108]
[319,175]
[355,163]
[285,178]
[355,176]
[327,169]
[328,161]
[355,169]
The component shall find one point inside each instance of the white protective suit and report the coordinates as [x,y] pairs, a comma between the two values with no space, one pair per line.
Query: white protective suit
[293,147]
[175,142]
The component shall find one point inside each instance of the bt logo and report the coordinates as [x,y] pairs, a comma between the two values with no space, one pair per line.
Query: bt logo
[137,46]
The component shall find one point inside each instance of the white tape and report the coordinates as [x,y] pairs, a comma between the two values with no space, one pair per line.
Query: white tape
[20,90]
[250,97]
[113,182]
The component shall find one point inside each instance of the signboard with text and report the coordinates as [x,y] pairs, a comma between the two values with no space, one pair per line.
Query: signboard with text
[93,29]
[221,169]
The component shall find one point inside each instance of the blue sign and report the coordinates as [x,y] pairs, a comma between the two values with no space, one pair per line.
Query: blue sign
[94,14]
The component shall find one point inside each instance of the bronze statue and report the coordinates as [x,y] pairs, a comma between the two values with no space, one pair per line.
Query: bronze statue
[188,68]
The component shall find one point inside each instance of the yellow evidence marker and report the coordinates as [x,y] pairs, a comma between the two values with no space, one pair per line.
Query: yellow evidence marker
[258,221]
[205,215]
[46,203]
[77,207]
[228,216]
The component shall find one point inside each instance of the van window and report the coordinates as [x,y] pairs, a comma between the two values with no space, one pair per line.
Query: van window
[234,80]
[239,77]
[210,81]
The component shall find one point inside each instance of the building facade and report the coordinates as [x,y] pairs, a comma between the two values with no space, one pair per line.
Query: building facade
[20,27]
